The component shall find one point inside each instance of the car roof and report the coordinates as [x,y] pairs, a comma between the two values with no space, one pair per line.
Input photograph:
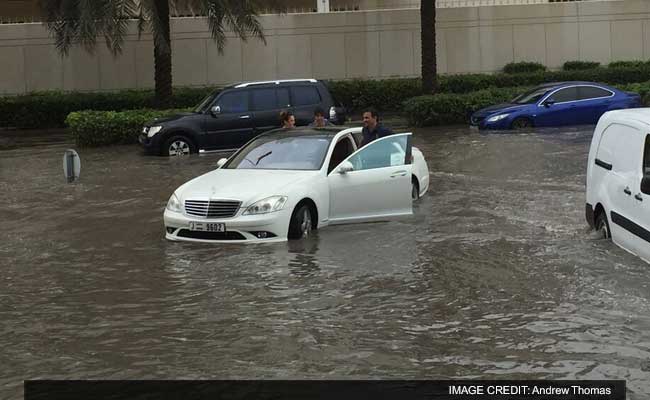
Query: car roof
[270,83]
[639,115]
[328,132]
[571,83]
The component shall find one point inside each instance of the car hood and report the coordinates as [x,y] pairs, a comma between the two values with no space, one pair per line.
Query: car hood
[483,112]
[245,185]
[171,118]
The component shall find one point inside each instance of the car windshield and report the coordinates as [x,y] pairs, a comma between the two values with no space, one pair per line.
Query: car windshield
[205,102]
[531,96]
[283,152]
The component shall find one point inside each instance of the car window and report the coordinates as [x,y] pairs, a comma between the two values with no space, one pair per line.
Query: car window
[532,96]
[207,100]
[305,95]
[341,151]
[564,95]
[283,98]
[233,102]
[592,92]
[264,99]
[385,152]
[286,152]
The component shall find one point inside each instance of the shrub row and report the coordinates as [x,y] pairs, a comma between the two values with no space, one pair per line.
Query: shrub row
[447,108]
[49,109]
[101,128]
[523,67]
[579,65]
[98,128]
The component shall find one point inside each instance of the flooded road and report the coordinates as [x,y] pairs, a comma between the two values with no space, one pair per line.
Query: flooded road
[495,276]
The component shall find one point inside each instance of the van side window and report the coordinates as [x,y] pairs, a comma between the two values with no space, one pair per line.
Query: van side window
[234,102]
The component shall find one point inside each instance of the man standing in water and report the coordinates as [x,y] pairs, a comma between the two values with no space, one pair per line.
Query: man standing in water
[372,129]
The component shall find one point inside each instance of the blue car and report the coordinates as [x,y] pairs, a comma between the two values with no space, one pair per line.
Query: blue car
[555,104]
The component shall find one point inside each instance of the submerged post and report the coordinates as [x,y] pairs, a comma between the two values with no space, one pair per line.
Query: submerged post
[71,165]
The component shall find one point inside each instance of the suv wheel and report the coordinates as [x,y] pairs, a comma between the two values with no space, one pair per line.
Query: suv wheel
[178,146]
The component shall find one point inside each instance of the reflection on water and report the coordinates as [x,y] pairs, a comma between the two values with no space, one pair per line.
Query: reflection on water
[494,276]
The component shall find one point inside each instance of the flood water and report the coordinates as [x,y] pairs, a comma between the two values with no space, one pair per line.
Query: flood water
[495,276]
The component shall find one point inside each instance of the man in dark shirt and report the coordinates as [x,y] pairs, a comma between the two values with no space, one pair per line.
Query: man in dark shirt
[372,129]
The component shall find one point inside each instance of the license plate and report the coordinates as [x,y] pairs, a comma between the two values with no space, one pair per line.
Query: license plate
[207,226]
[473,127]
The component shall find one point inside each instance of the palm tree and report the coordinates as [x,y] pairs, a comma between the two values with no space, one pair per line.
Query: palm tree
[83,21]
[428,38]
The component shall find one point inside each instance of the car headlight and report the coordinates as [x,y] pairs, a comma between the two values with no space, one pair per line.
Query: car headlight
[497,117]
[174,204]
[270,204]
[153,130]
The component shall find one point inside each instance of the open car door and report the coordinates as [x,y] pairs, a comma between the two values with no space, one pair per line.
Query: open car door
[374,183]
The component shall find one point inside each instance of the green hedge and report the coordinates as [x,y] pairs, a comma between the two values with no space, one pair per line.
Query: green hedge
[523,67]
[580,65]
[100,128]
[628,64]
[442,109]
[50,109]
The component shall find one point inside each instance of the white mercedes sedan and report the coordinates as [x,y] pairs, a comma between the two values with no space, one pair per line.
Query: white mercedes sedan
[287,182]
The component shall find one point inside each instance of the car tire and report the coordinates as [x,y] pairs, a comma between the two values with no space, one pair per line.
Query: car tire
[301,224]
[521,123]
[602,226]
[415,189]
[178,146]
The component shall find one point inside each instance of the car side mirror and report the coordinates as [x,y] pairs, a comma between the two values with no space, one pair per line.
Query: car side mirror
[221,162]
[645,184]
[215,110]
[548,103]
[345,167]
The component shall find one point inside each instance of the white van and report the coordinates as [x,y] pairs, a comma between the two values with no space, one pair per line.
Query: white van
[618,179]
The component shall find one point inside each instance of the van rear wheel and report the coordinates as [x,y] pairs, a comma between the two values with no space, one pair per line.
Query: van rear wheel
[602,226]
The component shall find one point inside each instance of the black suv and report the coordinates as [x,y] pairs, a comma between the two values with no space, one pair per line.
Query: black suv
[228,118]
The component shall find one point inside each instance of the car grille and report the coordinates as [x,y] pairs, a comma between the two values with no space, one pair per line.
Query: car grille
[476,120]
[212,208]
[211,235]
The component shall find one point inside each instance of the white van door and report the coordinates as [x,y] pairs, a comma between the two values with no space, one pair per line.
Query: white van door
[620,151]
[641,196]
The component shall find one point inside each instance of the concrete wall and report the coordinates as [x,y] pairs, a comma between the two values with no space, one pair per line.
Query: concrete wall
[376,44]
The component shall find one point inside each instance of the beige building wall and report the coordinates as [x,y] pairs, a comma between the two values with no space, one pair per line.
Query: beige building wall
[363,44]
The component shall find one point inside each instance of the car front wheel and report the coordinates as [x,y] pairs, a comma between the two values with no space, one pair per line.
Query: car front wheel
[178,146]
[521,123]
[301,224]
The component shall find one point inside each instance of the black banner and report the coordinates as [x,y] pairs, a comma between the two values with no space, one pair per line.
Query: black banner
[325,390]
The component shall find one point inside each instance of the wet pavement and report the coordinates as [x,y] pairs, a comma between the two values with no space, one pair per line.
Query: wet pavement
[495,276]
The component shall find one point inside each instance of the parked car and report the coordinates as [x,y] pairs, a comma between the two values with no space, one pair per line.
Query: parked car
[288,182]
[228,118]
[618,180]
[555,104]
